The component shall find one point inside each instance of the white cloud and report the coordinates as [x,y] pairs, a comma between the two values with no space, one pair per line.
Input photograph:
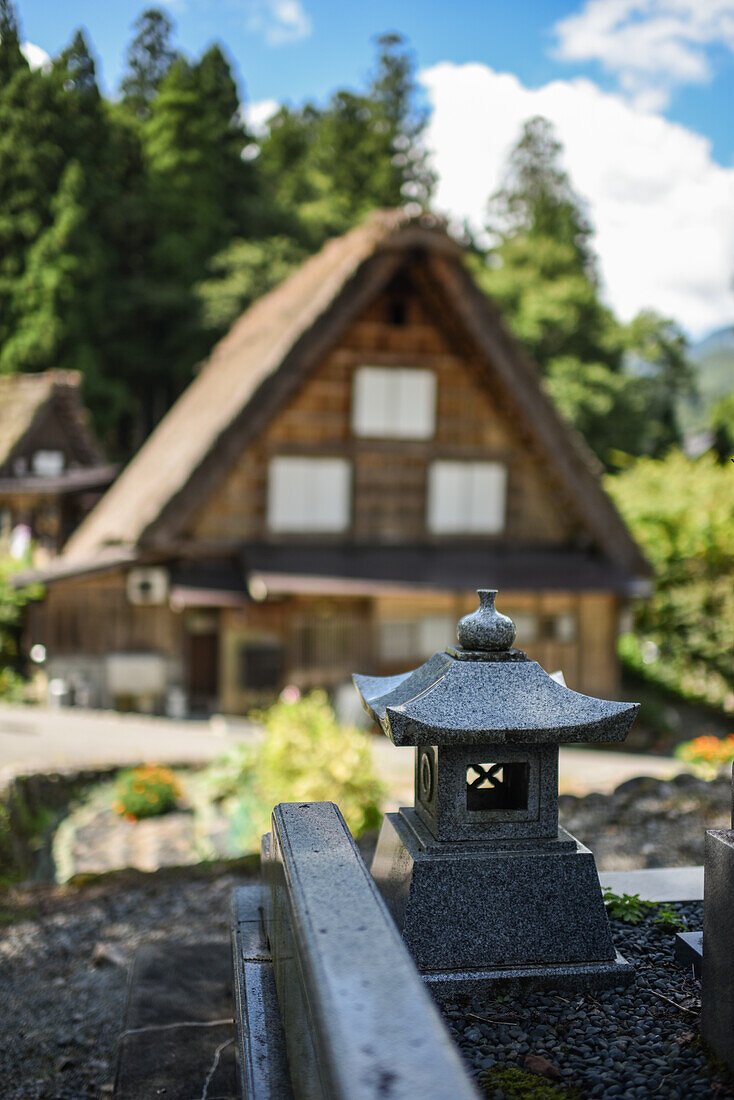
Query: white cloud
[279,21]
[257,115]
[662,208]
[36,57]
[649,45]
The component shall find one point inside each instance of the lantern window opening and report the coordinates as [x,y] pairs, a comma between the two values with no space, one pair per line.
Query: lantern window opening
[497,786]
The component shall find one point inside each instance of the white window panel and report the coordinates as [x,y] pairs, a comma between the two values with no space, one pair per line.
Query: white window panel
[564,627]
[395,640]
[394,403]
[526,626]
[466,497]
[48,463]
[435,632]
[415,639]
[309,494]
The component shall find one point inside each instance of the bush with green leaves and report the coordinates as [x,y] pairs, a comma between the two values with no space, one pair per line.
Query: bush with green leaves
[146,791]
[305,756]
[12,602]
[681,512]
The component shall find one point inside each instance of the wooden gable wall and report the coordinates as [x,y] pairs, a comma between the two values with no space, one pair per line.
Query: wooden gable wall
[48,432]
[389,476]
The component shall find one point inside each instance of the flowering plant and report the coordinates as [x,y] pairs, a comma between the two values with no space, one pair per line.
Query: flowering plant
[708,754]
[145,792]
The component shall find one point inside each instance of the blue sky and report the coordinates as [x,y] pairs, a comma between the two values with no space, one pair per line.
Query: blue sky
[641,92]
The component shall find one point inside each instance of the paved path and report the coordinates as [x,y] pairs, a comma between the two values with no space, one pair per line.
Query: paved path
[40,739]
[37,739]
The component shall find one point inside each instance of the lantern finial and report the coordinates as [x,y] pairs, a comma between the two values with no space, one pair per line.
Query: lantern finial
[486,629]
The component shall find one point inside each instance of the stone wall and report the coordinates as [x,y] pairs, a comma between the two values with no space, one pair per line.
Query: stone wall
[30,802]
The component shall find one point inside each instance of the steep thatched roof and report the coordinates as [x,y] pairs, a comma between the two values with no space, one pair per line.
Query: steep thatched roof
[270,349]
[25,398]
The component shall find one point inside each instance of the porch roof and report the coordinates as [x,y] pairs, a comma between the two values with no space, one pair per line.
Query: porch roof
[366,571]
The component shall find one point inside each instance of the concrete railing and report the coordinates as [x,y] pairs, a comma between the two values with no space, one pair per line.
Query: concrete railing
[358,1022]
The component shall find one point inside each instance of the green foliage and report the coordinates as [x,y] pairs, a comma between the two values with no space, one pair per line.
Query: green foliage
[668,920]
[133,231]
[513,1083]
[631,909]
[146,791]
[11,58]
[325,168]
[305,756]
[12,602]
[537,198]
[308,757]
[242,272]
[626,907]
[619,385]
[721,421]
[149,57]
[682,514]
[226,776]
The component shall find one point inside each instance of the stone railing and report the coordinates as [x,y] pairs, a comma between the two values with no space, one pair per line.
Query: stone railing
[351,1016]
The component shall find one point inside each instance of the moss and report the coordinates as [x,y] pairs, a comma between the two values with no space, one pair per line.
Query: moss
[517,1084]
[15,915]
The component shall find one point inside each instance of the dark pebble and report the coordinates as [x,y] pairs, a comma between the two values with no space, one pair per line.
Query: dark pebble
[621,1042]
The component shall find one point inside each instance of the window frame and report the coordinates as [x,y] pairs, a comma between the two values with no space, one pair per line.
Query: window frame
[275,524]
[382,430]
[439,528]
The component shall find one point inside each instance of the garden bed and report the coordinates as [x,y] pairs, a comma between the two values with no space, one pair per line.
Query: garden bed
[649,822]
[645,822]
[633,1041]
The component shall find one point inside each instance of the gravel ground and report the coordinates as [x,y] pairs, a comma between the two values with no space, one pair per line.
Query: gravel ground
[649,822]
[638,1041]
[64,955]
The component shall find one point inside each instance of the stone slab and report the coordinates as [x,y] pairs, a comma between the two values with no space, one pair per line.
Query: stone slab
[580,976]
[688,951]
[359,1023]
[657,883]
[179,1032]
[262,1052]
[717,972]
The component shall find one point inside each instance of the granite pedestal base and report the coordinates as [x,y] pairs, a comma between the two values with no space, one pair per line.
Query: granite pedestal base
[477,913]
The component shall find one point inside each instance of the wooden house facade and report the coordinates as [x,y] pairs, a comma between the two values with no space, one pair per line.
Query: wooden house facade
[52,469]
[364,449]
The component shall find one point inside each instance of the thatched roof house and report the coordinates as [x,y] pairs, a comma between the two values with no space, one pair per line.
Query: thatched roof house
[52,468]
[365,446]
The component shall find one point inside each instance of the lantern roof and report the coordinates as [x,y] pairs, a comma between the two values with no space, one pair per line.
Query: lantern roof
[485,692]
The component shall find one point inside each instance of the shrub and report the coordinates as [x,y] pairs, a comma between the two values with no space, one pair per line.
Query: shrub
[305,756]
[682,514]
[12,602]
[146,791]
[707,755]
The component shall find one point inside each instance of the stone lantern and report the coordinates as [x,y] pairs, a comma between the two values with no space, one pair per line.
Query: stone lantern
[480,879]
